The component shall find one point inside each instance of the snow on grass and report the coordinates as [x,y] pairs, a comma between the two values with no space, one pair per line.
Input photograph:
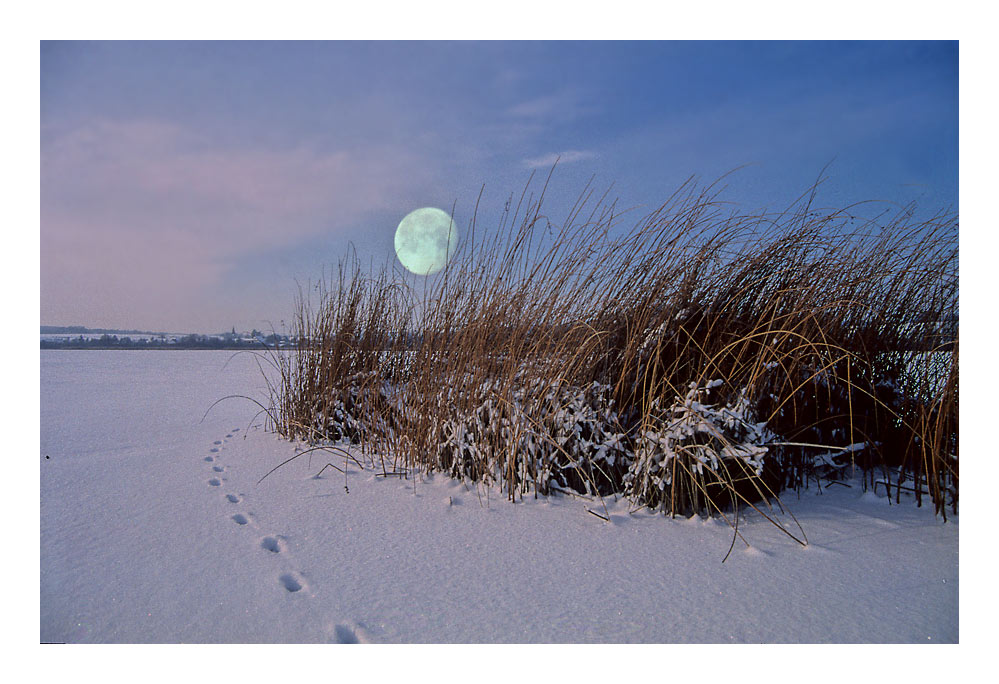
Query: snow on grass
[154,529]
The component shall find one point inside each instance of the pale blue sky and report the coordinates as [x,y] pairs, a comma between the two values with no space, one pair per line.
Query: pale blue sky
[185,186]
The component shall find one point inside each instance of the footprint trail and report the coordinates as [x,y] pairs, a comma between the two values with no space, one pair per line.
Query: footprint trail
[289,579]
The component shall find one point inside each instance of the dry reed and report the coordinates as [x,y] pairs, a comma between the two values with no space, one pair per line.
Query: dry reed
[700,361]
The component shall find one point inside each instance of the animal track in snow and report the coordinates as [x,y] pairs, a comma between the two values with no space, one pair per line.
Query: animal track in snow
[272,544]
[354,633]
[343,634]
[291,582]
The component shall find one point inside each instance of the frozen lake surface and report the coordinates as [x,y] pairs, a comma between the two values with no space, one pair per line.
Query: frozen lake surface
[154,529]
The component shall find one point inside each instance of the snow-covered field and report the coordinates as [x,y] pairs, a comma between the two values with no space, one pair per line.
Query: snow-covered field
[154,529]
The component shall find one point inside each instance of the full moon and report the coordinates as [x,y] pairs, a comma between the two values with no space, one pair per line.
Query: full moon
[425,240]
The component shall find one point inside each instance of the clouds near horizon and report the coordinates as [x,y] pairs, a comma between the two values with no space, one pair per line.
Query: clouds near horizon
[153,213]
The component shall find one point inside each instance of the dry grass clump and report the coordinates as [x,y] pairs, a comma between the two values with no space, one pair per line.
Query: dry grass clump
[698,361]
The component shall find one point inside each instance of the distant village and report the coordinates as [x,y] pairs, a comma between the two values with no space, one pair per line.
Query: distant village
[78,337]
[942,334]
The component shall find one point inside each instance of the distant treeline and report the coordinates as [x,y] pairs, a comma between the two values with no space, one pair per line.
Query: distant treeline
[83,330]
[192,341]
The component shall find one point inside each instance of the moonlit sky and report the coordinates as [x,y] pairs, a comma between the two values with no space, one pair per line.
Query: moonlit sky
[186,187]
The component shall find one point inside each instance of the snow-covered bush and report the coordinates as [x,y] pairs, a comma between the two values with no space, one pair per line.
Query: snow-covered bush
[366,408]
[545,436]
[693,456]
[689,456]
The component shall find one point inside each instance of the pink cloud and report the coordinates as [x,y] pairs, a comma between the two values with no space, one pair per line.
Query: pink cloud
[138,168]
[151,215]
[566,157]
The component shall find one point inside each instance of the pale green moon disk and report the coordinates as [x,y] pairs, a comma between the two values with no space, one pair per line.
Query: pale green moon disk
[425,240]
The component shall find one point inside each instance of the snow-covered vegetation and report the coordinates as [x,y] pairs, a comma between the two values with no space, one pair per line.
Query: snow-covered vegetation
[701,361]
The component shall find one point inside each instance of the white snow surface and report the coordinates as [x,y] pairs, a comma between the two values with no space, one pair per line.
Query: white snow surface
[154,529]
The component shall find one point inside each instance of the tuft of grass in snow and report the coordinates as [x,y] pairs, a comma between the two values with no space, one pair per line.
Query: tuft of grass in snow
[697,361]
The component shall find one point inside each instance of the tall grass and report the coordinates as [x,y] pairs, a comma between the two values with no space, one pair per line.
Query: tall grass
[695,359]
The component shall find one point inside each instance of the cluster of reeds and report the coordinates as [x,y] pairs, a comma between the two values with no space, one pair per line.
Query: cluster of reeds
[698,360]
